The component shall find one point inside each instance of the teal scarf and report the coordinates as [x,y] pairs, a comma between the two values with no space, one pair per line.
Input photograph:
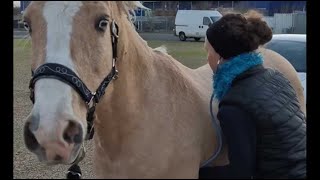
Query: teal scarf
[229,70]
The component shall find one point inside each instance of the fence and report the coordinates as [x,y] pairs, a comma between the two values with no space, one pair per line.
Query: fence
[155,24]
[17,22]
[291,23]
[300,23]
[294,23]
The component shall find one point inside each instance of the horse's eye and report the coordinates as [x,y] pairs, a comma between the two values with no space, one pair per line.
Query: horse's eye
[102,24]
[27,26]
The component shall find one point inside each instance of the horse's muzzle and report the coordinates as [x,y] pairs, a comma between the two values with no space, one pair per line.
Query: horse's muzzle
[62,146]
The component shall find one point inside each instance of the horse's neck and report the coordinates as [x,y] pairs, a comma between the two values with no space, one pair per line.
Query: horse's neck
[142,69]
[148,84]
[145,70]
[156,102]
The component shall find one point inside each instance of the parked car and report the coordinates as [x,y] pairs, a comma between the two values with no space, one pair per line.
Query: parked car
[194,23]
[293,48]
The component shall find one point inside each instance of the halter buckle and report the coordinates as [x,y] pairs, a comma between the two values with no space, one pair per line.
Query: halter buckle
[116,72]
[91,103]
[113,62]
[115,29]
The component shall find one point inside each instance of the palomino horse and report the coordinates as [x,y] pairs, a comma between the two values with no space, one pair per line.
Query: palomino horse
[153,121]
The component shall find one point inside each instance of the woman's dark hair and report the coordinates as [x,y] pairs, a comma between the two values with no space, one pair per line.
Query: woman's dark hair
[234,34]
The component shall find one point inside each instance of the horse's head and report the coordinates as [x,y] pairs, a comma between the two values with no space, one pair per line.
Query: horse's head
[76,35]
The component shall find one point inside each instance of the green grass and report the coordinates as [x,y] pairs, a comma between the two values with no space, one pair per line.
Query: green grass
[22,43]
[21,64]
[191,54]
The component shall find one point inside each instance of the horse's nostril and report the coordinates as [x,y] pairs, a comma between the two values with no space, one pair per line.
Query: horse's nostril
[78,138]
[67,138]
[29,138]
[73,133]
[57,158]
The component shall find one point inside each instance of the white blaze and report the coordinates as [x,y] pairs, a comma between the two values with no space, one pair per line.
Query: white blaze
[53,98]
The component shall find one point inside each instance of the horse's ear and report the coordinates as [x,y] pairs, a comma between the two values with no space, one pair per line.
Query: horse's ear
[131,5]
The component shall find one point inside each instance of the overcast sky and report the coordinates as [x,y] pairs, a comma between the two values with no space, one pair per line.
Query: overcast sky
[16,3]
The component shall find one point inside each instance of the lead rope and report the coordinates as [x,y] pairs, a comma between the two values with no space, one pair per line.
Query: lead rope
[219,136]
[74,172]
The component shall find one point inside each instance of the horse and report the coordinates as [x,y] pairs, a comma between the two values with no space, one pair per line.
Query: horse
[149,117]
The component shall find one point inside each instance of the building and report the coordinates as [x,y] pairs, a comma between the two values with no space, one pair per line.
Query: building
[271,7]
[186,5]
[24,5]
[169,8]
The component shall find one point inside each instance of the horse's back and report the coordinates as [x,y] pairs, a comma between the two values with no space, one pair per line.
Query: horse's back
[203,77]
[278,62]
[204,73]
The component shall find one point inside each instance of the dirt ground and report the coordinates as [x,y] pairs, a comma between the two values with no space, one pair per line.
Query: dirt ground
[26,164]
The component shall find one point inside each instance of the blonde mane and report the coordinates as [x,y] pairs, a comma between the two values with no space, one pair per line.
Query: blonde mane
[162,49]
[129,7]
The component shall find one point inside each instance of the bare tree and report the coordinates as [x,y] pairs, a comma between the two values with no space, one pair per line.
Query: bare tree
[285,8]
[241,6]
[203,5]
[16,11]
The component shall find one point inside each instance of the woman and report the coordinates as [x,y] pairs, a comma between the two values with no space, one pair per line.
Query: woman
[259,113]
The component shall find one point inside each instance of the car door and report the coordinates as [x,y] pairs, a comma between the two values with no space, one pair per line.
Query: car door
[295,53]
[204,26]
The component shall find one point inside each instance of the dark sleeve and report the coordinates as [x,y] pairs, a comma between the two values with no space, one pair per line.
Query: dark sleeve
[240,135]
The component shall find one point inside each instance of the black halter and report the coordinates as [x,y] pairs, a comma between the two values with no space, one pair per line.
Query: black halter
[66,75]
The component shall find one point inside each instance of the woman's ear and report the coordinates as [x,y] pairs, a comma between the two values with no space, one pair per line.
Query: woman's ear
[221,60]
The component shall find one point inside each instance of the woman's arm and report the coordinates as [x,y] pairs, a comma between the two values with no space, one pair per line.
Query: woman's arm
[240,135]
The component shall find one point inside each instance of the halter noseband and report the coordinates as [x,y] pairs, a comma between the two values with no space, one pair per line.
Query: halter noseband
[66,75]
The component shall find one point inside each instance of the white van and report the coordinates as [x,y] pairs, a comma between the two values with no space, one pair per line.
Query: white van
[194,23]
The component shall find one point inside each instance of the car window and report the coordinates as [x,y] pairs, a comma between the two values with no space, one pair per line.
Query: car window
[214,19]
[206,21]
[293,51]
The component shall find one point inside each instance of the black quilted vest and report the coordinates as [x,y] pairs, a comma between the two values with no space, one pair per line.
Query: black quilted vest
[271,102]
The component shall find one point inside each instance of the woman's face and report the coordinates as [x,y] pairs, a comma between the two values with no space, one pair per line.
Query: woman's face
[213,56]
